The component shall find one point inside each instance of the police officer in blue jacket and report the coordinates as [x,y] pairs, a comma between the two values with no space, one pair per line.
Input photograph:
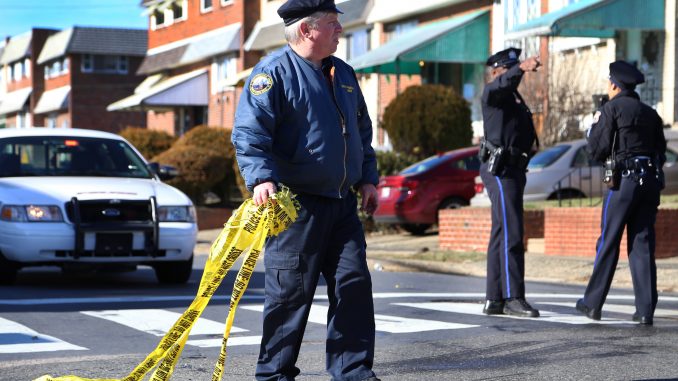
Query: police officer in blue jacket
[627,135]
[505,152]
[302,122]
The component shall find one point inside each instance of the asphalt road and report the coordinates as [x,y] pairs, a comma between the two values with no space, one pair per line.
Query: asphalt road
[429,327]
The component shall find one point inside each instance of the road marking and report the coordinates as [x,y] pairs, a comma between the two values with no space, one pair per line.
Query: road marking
[625,309]
[378,295]
[232,341]
[477,309]
[17,338]
[384,323]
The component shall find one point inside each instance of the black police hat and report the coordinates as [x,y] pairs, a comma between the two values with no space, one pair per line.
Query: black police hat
[505,58]
[625,75]
[295,10]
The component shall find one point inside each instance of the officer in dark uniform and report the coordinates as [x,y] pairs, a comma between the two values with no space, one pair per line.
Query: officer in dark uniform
[505,152]
[628,134]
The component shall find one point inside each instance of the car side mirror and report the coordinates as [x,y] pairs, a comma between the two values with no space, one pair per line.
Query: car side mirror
[164,172]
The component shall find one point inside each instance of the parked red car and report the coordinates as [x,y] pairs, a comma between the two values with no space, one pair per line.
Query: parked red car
[413,197]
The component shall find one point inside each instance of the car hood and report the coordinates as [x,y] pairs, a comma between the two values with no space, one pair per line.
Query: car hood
[58,190]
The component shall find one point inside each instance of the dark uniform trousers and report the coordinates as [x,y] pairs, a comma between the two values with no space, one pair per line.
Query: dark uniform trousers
[505,253]
[327,238]
[635,206]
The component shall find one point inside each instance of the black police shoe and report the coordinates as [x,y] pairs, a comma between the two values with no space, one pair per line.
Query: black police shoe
[589,312]
[493,307]
[519,307]
[643,320]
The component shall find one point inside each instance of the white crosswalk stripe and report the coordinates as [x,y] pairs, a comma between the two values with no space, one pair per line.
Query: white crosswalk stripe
[17,338]
[384,323]
[158,322]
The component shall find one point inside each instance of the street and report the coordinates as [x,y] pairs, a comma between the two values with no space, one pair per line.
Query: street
[429,327]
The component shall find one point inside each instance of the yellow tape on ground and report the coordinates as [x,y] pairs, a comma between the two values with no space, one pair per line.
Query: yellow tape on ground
[245,232]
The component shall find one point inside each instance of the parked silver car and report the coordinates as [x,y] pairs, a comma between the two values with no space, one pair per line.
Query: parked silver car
[566,171]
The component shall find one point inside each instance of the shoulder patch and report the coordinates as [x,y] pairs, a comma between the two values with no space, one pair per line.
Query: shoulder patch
[260,84]
[596,116]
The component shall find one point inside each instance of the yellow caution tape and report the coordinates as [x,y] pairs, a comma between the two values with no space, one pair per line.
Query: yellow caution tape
[245,232]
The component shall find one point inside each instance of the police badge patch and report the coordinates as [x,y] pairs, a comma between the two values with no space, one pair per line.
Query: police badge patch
[261,83]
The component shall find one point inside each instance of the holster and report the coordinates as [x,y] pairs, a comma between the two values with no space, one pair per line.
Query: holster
[612,175]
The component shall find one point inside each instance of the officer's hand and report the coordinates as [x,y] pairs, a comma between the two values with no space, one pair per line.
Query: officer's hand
[262,192]
[530,64]
[370,200]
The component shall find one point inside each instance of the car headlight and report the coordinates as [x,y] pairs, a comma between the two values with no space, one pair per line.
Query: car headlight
[31,213]
[184,213]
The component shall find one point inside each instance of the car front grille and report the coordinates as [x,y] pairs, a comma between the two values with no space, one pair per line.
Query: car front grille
[103,211]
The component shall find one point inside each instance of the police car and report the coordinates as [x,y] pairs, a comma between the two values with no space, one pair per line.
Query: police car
[84,199]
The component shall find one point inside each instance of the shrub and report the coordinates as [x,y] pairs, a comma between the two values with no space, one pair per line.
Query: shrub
[200,168]
[391,162]
[149,142]
[428,119]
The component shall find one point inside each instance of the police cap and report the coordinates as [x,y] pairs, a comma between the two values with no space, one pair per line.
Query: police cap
[625,75]
[505,58]
[295,10]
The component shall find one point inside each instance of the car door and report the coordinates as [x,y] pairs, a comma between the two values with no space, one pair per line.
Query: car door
[587,174]
[671,169]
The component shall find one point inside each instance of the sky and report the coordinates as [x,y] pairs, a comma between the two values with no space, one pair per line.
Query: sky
[19,16]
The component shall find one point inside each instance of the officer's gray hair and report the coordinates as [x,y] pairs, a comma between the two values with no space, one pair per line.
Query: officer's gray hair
[293,32]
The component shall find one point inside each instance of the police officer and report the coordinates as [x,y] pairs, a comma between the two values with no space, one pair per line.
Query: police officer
[505,152]
[628,133]
[302,122]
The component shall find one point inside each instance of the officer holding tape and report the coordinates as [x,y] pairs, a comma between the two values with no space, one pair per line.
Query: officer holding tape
[627,135]
[302,122]
[505,152]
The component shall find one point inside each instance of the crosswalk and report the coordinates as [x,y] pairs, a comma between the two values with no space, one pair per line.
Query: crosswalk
[437,312]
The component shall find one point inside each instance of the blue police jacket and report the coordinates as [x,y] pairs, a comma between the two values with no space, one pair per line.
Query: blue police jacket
[292,128]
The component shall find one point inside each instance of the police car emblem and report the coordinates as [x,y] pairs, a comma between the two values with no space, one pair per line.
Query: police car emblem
[596,116]
[261,83]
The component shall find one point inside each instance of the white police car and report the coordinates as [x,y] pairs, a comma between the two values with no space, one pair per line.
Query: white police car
[87,199]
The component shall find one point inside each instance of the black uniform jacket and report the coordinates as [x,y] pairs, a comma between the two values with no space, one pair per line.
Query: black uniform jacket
[638,127]
[507,120]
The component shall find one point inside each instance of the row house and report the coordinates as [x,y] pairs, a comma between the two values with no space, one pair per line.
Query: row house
[195,49]
[3,87]
[577,39]
[67,78]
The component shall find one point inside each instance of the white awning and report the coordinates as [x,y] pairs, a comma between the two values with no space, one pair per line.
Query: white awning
[15,101]
[53,100]
[188,89]
[264,37]
[390,10]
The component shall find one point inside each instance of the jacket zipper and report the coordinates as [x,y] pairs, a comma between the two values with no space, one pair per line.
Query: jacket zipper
[344,133]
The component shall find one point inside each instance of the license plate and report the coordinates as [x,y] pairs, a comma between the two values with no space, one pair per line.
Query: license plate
[385,192]
[108,244]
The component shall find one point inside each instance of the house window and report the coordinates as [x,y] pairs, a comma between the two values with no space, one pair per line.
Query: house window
[205,5]
[159,17]
[65,65]
[18,71]
[27,68]
[396,30]
[104,64]
[227,2]
[52,120]
[358,43]
[177,11]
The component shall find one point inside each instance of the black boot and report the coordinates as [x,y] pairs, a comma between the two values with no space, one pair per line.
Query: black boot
[519,307]
[589,312]
[493,307]
[643,320]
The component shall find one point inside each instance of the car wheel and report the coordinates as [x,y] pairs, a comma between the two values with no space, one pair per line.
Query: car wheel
[452,203]
[174,272]
[415,229]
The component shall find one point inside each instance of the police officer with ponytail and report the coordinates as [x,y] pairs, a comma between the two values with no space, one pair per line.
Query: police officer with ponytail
[627,135]
[505,152]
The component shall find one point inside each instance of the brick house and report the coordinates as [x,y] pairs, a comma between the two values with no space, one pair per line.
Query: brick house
[67,78]
[23,79]
[85,69]
[195,48]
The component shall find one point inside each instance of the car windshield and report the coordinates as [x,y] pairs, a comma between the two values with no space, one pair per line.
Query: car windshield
[424,165]
[69,156]
[548,156]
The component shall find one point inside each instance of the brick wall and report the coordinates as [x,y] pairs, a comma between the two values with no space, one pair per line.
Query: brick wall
[161,121]
[221,109]
[468,229]
[566,231]
[575,232]
[60,81]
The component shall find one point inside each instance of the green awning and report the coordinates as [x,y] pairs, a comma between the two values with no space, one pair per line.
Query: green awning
[462,39]
[594,18]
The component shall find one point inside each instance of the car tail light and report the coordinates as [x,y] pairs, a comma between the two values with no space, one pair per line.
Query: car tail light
[478,185]
[409,185]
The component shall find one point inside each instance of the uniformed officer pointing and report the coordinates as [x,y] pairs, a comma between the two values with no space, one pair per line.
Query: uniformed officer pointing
[627,135]
[302,122]
[505,153]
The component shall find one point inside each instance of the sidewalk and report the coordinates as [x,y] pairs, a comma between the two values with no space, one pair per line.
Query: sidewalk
[404,252]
